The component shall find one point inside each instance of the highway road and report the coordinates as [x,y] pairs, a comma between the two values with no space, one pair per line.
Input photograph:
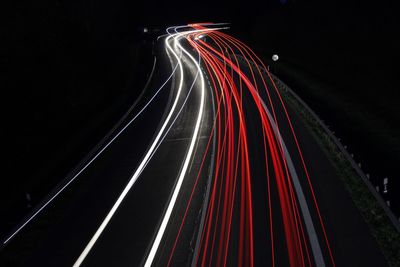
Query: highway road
[210,168]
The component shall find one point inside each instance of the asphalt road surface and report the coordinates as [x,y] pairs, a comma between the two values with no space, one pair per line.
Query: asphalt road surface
[209,168]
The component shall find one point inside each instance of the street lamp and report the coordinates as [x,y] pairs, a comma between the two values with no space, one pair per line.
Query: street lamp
[275,58]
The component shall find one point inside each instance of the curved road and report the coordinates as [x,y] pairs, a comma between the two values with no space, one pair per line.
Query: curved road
[210,168]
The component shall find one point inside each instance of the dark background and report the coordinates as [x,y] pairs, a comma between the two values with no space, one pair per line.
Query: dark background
[71,69]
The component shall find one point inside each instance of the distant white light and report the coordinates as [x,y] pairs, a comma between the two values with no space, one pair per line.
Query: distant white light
[275,57]
[199,37]
[145,30]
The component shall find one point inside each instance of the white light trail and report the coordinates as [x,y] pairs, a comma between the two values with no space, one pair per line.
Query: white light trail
[175,194]
[149,154]
[55,195]
[133,179]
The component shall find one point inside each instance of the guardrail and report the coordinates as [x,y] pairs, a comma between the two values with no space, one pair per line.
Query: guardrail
[349,157]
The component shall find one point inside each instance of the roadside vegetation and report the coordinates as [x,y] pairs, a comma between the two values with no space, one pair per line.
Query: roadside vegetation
[380,225]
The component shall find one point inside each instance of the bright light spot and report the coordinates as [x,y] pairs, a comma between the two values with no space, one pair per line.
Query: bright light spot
[199,37]
[275,57]
[145,30]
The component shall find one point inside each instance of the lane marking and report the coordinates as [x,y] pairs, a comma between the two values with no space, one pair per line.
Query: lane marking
[133,179]
[313,237]
[90,162]
[164,223]
[147,157]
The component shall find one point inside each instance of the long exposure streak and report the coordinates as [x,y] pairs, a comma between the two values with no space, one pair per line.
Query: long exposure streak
[246,182]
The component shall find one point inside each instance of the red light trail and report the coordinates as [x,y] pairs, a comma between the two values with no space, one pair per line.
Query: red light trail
[240,224]
[228,231]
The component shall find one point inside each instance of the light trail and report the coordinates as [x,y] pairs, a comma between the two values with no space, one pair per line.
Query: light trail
[149,154]
[59,191]
[171,204]
[232,173]
[242,92]
[167,215]
[136,174]
[306,214]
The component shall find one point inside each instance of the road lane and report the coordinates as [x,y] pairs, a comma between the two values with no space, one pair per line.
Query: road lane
[86,208]
[218,178]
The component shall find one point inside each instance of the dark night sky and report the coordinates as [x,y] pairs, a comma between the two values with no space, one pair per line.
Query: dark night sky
[67,60]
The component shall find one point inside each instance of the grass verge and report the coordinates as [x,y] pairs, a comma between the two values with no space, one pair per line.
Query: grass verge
[388,238]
